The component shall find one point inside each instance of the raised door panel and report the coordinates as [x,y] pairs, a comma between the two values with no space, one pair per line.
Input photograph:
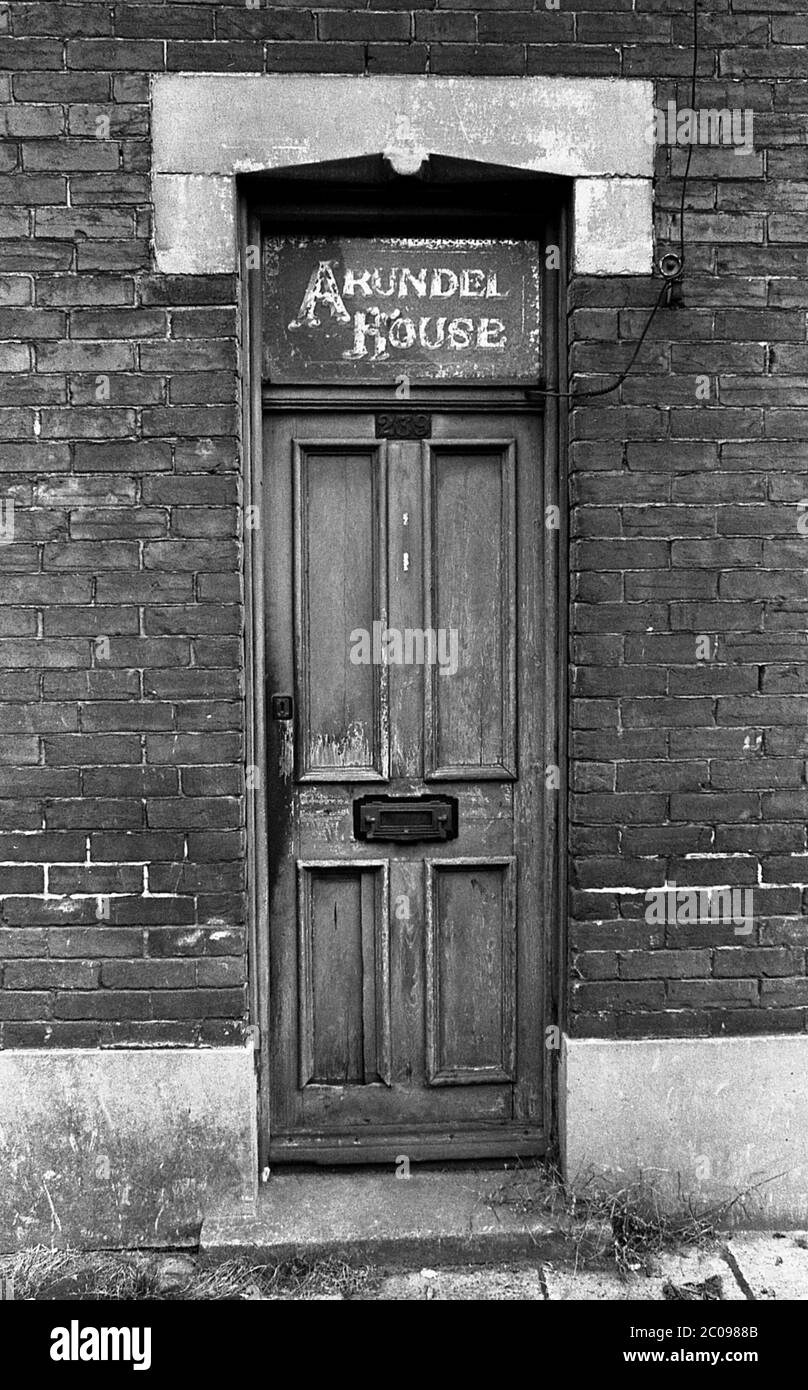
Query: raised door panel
[343,974]
[471,971]
[470,583]
[340,591]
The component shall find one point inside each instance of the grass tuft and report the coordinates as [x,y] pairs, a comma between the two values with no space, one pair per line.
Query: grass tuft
[629,1226]
[41,1274]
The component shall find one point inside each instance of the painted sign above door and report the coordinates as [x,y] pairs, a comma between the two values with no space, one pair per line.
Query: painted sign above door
[379,310]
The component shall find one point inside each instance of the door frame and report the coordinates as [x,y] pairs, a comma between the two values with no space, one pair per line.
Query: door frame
[364,198]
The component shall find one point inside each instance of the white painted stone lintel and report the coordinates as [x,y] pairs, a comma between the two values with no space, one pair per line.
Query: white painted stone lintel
[209,127]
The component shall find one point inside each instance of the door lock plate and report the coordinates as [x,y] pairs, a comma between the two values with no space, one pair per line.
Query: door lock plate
[282,706]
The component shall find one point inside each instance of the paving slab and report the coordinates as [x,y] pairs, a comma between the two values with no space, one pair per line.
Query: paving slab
[565,1284]
[428,1218]
[461,1285]
[770,1266]
[692,1268]
[687,1271]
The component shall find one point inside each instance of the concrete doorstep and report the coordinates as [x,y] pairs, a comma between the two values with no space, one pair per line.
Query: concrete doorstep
[369,1216]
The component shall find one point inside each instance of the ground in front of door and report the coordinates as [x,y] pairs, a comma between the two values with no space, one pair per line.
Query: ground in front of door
[754,1266]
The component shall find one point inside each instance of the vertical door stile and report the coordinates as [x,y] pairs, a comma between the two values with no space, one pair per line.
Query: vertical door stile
[306,985]
[381,587]
[300,643]
[428,591]
[510,738]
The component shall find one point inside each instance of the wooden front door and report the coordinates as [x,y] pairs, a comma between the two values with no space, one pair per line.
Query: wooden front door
[405,782]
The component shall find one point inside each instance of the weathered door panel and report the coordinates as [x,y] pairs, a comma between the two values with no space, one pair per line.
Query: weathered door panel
[470,588]
[340,576]
[405,991]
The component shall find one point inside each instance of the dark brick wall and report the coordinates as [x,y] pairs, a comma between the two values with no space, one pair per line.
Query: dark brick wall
[121,840]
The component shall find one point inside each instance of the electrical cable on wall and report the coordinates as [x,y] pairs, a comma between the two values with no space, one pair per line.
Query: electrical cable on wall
[671,265]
